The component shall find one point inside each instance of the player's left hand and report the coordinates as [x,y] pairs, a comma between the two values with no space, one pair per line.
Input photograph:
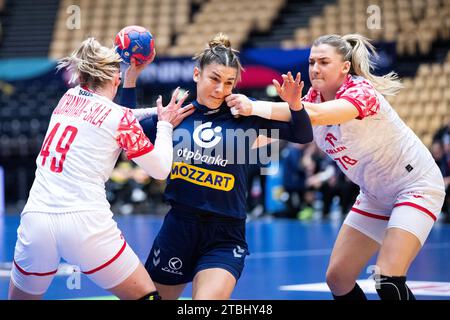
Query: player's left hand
[174,112]
[291,90]
[239,104]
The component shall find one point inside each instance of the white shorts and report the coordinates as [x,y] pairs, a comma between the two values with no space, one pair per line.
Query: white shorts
[90,240]
[414,209]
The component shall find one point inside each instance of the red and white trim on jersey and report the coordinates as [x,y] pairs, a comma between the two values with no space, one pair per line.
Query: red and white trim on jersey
[107,263]
[38,274]
[360,93]
[370,215]
[131,137]
[357,106]
[416,206]
[357,90]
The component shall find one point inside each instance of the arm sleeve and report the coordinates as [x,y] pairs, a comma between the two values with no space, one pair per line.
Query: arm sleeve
[298,130]
[144,113]
[158,163]
[155,159]
[128,98]
[130,136]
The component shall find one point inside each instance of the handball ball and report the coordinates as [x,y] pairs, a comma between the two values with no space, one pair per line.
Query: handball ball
[136,42]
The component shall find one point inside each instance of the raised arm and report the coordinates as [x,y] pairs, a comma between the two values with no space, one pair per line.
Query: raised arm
[128,93]
[128,96]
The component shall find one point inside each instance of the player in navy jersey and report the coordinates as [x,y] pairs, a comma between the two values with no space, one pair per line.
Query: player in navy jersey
[202,238]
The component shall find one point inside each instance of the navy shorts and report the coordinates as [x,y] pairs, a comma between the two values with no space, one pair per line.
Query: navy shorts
[190,241]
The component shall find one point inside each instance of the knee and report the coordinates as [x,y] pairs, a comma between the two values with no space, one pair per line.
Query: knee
[339,281]
[333,277]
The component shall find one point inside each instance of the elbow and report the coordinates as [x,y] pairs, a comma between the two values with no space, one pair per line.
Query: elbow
[309,138]
[314,117]
[164,171]
[305,134]
[157,163]
[310,135]
[161,176]
[319,119]
[304,137]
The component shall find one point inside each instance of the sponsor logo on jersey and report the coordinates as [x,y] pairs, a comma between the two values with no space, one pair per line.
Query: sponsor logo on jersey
[214,145]
[206,137]
[85,93]
[175,263]
[202,177]
[330,139]
[335,150]
[198,156]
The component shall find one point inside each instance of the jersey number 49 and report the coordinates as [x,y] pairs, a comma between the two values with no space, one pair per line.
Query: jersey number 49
[62,147]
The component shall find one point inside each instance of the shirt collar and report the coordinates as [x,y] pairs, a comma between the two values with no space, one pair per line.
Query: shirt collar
[207,111]
[315,94]
[344,86]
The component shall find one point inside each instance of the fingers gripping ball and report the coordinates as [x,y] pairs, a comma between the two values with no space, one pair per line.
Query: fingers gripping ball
[137,42]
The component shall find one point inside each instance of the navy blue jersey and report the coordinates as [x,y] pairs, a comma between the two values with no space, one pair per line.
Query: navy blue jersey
[212,150]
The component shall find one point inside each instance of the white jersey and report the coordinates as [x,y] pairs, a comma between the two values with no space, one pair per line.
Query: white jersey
[84,139]
[377,151]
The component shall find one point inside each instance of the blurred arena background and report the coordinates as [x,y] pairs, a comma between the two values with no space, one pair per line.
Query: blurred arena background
[274,36]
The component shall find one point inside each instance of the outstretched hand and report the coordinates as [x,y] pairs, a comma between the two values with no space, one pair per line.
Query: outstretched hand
[291,90]
[174,113]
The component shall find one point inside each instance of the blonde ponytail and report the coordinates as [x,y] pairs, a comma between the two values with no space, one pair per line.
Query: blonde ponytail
[358,50]
[91,63]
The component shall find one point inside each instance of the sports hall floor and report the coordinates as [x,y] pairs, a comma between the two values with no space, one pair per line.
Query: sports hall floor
[288,261]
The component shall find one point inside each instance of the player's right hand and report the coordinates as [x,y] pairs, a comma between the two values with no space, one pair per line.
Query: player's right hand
[239,104]
[291,90]
[174,113]
[133,71]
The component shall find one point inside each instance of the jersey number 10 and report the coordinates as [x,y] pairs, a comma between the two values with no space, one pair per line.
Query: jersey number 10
[62,146]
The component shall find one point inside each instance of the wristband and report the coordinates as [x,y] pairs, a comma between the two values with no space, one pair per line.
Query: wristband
[262,109]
